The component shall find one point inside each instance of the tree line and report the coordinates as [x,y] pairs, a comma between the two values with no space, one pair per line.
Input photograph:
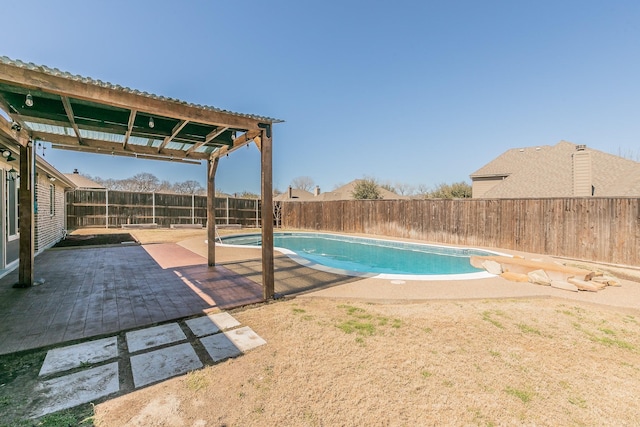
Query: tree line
[365,188]
[149,183]
[369,188]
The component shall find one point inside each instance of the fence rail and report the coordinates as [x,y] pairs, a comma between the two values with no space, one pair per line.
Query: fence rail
[596,229]
[105,208]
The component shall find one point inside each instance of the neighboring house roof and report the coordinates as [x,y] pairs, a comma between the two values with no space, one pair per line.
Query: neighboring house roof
[53,174]
[296,194]
[346,193]
[82,181]
[547,171]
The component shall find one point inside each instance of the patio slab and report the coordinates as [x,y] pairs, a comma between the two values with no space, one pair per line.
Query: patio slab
[75,389]
[75,356]
[220,347]
[154,337]
[244,338]
[212,324]
[158,365]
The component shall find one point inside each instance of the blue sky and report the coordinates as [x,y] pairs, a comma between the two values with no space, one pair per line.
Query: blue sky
[416,92]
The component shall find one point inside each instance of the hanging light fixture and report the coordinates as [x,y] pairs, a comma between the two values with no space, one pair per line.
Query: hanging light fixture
[28,101]
[151,122]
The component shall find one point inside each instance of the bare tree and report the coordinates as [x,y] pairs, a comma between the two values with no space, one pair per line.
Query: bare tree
[188,187]
[404,189]
[303,183]
[422,191]
[144,182]
[388,186]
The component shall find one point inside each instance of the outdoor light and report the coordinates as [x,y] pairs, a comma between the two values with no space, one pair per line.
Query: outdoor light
[29,100]
[12,175]
[151,122]
[7,155]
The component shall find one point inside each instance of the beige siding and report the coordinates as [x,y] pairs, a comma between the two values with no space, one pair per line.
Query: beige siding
[480,186]
[48,228]
[582,175]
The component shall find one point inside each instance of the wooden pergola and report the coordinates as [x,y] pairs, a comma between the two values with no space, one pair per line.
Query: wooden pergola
[82,114]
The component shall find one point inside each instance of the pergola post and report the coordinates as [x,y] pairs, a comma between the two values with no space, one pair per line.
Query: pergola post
[26,218]
[267,213]
[211,210]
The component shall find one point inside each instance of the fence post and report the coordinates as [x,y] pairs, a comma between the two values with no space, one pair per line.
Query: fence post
[193,208]
[106,201]
[227,210]
[257,223]
[153,207]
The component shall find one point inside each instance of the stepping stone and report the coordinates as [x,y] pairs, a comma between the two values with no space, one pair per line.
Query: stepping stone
[75,389]
[75,356]
[165,363]
[244,338]
[220,347]
[212,324]
[154,337]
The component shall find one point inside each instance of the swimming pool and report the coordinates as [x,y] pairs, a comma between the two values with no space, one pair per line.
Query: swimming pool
[358,256]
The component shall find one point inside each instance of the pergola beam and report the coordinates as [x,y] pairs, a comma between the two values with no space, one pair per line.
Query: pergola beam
[69,110]
[35,79]
[240,141]
[174,132]
[87,149]
[132,119]
[210,137]
[11,132]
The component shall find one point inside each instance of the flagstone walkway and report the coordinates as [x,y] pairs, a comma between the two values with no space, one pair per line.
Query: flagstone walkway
[91,370]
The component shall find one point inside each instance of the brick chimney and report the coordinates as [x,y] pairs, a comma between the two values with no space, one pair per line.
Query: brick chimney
[316,191]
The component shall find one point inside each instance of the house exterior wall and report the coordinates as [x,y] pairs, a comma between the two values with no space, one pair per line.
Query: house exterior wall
[49,225]
[582,175]
[480,186]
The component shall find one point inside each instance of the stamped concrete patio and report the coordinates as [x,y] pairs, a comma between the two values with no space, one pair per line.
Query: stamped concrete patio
[94,291]
[90,292]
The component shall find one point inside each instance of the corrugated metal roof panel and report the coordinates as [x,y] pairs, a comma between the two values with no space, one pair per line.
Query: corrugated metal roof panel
[88,80]
[102,136]
[56,130]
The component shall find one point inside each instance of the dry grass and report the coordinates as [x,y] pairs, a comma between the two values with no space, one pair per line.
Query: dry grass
[330,362]
[327,362]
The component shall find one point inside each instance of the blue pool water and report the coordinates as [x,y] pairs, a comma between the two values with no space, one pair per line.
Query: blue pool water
[364,256]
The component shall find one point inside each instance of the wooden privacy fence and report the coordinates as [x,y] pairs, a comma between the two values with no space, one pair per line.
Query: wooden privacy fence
[596,229]
[107,208]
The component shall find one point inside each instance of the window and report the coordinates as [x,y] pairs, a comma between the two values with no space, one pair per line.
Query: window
[52,199]
[12,209]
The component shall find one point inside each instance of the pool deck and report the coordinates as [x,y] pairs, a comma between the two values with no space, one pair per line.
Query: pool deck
[377,290]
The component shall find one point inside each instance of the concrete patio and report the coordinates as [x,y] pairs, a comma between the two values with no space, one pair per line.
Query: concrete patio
[90,292]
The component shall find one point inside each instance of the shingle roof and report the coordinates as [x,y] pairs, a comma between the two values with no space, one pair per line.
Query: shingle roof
[82,181]
[547,172]
[346,193]
[297,194]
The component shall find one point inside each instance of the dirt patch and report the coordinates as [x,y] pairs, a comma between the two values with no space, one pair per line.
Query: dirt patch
[96,240]
[330,362]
